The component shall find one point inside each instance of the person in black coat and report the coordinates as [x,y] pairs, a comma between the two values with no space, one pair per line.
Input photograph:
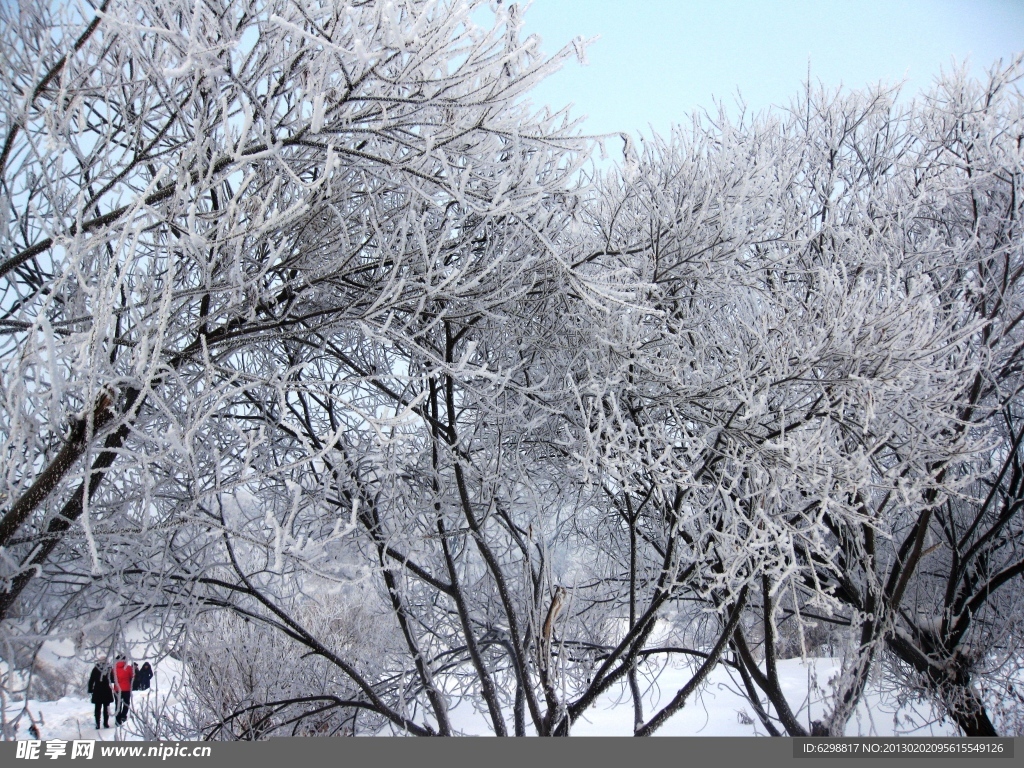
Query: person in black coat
[143,678]
[102,695]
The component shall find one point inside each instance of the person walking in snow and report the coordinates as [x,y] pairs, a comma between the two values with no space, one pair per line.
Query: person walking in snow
[143,678]
[102,696]
[121,677]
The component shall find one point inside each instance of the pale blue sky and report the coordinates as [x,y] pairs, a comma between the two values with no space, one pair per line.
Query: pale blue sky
[658,60]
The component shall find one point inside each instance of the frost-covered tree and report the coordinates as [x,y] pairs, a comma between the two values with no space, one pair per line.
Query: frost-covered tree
[214,216]
[907,216]
[956,637]
[820,379]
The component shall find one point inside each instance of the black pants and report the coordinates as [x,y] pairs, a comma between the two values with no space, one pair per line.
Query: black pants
[122,701]
[106,715]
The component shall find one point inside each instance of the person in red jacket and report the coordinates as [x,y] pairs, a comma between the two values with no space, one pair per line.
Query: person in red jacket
[121,681]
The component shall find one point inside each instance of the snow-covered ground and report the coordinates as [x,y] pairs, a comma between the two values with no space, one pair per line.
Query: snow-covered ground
[71,717]
[718,710]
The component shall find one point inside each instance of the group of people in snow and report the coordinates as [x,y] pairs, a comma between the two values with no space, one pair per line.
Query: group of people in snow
[114,685]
